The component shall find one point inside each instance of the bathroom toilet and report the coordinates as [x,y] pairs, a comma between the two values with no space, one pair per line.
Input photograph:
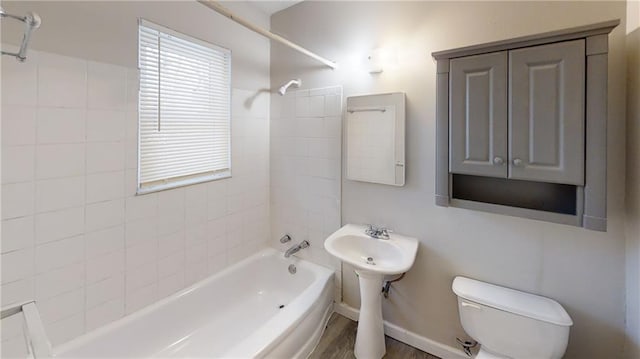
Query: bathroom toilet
[508,323]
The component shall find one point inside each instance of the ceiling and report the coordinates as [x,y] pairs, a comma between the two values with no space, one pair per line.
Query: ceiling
[272,7]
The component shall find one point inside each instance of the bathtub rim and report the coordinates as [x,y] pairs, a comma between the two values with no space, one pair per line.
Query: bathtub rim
[61,349]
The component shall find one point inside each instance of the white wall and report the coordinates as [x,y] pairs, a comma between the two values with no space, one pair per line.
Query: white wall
[583,270]
[632,198]
[305,165]
[74,235]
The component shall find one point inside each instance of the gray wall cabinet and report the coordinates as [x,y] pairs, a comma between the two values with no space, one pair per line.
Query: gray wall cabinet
[521,126]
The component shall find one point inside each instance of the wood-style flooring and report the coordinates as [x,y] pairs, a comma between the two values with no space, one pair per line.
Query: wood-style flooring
[340,336]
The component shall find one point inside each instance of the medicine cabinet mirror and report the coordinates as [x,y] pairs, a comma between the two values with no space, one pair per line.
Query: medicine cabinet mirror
[375,138]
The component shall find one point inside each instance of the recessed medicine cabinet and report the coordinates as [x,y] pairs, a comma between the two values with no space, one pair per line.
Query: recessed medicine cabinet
[521,126]
[375,138]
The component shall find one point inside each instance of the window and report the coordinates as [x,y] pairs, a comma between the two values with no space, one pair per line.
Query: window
[183,109]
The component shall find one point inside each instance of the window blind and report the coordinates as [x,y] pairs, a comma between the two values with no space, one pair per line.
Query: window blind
[184,109]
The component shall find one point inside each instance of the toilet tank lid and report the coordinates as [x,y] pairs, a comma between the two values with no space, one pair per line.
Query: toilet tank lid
[512,301]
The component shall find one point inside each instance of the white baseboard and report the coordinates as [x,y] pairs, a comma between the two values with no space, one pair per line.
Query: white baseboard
[425,344]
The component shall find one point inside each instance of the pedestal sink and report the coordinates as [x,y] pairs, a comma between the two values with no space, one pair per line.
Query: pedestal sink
[373,258]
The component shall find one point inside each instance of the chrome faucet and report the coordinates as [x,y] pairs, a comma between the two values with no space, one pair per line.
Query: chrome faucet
[296,248]
[377,232]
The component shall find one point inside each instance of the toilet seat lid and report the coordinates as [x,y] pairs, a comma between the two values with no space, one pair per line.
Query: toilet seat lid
[512,301]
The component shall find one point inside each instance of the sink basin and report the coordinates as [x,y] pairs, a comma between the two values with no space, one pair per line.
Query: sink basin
[384,256]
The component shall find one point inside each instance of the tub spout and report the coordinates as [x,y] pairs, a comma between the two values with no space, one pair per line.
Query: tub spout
[296,249]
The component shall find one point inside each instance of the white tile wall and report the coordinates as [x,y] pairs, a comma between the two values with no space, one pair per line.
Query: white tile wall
[60,125]
[74,235]
[64,160]
[61,81]
[104,313]
[22,80]
[59,281]
[17,199]
[17,163]
[18,124]
[17,233]
[59,193]
[306,140]
[48,228]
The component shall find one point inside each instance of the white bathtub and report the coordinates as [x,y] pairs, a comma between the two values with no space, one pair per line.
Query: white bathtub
[233,314]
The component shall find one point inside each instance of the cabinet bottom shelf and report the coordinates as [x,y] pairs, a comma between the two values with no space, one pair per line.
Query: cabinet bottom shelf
[539,196]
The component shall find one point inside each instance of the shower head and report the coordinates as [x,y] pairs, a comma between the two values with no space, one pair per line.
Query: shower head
[283,89]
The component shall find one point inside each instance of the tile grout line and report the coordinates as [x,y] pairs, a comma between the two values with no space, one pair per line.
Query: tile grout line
[35,168]
[184,238]
[126,223]
[84,238]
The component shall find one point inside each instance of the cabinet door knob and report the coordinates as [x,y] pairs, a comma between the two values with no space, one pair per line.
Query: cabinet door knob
[498,160]
[517,162]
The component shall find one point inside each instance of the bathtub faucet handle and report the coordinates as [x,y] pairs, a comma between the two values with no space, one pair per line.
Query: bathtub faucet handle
[286,238]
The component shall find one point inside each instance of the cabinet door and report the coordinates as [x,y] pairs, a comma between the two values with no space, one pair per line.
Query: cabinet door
[478,120]
[546,113]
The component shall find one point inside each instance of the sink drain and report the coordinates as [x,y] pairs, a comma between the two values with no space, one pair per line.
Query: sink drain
[281,306]
[370,261]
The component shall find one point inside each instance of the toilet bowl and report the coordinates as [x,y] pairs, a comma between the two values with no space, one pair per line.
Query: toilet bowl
[508,323]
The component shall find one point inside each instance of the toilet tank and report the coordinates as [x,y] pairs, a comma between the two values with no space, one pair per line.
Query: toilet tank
[511,323]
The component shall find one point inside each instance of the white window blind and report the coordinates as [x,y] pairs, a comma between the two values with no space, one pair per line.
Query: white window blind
[183,108]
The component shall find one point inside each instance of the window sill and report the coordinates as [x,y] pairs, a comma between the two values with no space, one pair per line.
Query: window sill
[182,183]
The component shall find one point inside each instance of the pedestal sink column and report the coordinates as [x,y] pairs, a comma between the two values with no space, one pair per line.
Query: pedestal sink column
[370,336]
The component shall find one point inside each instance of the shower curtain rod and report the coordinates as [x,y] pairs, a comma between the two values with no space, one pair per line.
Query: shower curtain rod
[215,6]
